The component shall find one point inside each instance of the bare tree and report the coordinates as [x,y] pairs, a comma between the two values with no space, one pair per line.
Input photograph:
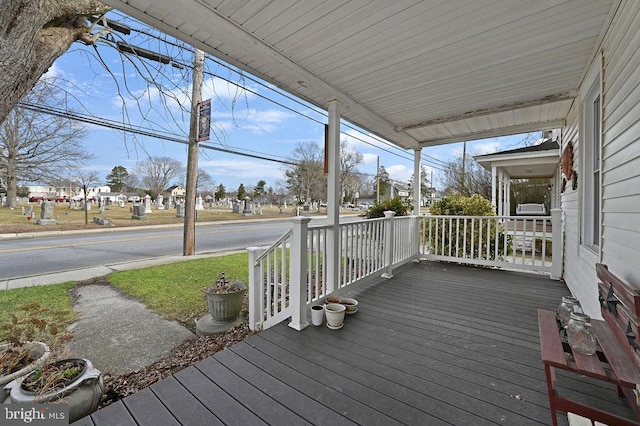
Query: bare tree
[474,180]
[306,179]
[34,34]
[84,180]
[37,147]
[204,181]
[158,172]
[350,181]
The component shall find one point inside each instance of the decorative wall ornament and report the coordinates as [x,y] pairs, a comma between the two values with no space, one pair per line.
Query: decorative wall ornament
[566,165]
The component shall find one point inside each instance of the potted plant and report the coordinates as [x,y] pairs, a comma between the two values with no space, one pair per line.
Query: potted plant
[20,358]
[224,300]
[21,353]
[72,381]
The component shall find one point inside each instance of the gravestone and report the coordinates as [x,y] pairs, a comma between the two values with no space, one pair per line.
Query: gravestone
[159,202]
[46,214]
[247,207]
[236,207]
[102,221]
[179,210]
[199,205]
[102,208]
[147,204]
[139,212]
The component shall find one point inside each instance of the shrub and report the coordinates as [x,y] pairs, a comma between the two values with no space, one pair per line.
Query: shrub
[471,241]
[397,204]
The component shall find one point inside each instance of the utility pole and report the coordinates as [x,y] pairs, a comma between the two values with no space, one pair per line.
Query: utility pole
[189,239]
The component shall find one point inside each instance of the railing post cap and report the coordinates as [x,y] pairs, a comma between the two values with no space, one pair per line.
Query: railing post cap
[253,248]
[301,219]
[389,213]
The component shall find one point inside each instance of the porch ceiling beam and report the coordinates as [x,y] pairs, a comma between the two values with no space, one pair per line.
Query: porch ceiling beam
[503,131]
[488,111]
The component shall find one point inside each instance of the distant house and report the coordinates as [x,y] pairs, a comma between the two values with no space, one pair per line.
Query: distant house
[62,193]
[177,192]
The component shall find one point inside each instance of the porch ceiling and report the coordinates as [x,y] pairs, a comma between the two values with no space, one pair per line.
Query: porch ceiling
[413,72]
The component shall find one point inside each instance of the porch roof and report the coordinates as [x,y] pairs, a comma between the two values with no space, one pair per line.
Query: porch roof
[416,73]
[437,344]
[537,161]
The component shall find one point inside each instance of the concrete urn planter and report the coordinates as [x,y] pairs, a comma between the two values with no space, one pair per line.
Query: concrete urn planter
[81,395]
[224,308]
[38,354]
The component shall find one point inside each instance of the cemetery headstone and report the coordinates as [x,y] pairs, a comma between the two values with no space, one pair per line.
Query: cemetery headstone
[179,210]
[102,221]
[247,207]
[46,214]
[147,204]
[139,212]
[159,202]
[199,205]
[236,207]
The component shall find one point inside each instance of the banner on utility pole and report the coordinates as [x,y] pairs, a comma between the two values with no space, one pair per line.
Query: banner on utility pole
[204,120]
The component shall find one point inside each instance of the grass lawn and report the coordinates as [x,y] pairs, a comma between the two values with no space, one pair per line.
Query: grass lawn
[174,291]
[44,311]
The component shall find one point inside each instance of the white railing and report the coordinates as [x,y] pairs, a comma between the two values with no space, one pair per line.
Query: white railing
[269,282]
[287,277]
[516,242]
[294,272]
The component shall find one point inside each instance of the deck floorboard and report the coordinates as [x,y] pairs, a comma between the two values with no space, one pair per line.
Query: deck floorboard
[438,344]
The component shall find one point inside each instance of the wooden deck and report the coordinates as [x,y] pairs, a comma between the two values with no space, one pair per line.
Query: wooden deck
[439,344]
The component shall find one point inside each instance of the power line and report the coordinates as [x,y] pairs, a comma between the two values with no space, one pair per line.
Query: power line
[433,162]
[140,131]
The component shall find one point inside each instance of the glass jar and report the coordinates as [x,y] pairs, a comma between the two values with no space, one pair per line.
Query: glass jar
[567,306]
[580,333]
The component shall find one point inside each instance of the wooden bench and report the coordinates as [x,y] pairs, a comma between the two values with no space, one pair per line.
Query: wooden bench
[616,361]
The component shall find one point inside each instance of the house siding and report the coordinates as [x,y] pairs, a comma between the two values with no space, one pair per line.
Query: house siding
[620,164]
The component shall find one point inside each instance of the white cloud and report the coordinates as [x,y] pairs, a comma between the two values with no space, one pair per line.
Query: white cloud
[54,71]
[369,158]
[399,172]
[246,171]
[358,140]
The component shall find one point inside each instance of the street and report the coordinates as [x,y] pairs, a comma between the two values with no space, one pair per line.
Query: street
[65,252]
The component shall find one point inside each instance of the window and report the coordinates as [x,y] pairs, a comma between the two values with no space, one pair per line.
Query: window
[591,171]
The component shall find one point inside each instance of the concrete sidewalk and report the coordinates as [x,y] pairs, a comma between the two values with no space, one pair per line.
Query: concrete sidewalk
[118,333]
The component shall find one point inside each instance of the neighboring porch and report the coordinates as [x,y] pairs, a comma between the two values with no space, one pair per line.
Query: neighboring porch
[438,344]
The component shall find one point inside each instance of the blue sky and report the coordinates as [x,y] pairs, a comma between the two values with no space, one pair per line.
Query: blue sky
[259,121]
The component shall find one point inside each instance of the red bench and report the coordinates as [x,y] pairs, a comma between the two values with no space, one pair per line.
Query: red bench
[616,361]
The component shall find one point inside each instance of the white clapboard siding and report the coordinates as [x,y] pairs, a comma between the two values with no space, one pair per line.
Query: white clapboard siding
[621,145]
[620,168]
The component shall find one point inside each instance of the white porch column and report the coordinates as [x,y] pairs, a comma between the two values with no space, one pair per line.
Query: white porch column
[417,181]
[333,195]
[298,273]
[388,243]
[255,290]
[507,193]
[494,172]
[500,193]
